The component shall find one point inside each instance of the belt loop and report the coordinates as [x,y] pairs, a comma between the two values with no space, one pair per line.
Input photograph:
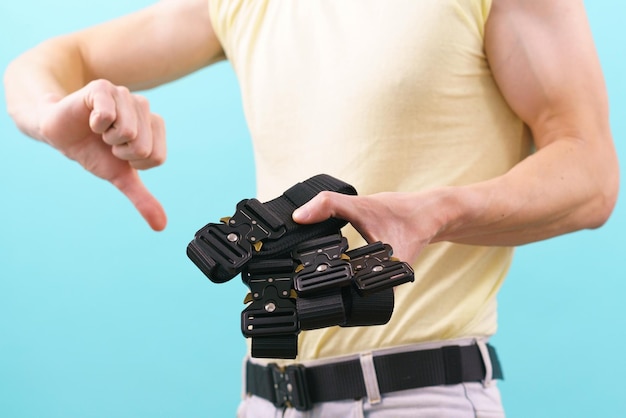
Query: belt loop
[244,378]
[484,353]
[370,378]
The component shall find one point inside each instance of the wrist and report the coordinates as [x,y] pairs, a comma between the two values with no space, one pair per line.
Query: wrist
[28,118]
[458,206]
[44,107]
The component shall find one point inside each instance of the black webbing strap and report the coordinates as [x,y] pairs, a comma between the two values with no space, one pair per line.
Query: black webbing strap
[261,230]
[400,371]
[294,197]
[374,309]
[301,193]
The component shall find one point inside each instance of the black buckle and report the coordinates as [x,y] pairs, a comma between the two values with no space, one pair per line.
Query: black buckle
[259,223]
[375,269]
[272,311]
[220,251]
[271,320]
[323,265]
[290,387]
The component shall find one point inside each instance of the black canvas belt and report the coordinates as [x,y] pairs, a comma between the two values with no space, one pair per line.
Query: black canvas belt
[262,230]
[301,277]
[300,387]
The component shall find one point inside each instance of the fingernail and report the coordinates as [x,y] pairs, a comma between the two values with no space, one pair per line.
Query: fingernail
[300,214]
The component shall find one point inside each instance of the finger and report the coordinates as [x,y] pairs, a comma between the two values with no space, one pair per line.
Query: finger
[326,205]
[336,205]
[103,108]
[140,146]
[159,148]
[126,127]
[148,206]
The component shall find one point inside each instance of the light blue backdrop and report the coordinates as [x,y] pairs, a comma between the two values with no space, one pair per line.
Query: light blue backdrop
[101,317]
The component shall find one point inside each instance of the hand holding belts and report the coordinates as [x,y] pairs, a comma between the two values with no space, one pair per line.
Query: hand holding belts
[301,277]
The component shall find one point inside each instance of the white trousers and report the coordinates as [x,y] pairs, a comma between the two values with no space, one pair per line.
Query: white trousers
[464,400]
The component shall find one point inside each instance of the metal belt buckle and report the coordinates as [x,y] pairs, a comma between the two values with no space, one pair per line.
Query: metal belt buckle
[221,250]
[259,223]
[290,387]
[323,265]
[375,269]
[273,310]
[271,319]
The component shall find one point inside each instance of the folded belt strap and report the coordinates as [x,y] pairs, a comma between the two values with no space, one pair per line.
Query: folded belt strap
[398,371]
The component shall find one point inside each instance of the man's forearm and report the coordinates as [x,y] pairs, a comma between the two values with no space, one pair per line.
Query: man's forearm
[567,186]
[40,76]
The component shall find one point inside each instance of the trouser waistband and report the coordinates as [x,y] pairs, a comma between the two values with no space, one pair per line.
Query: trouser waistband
[300,387]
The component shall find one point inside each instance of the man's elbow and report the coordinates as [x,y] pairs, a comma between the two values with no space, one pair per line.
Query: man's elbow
[605,199]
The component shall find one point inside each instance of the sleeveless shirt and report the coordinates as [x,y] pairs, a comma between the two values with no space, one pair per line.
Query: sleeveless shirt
[387,96]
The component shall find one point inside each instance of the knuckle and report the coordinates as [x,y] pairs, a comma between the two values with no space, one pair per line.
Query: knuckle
[122,90]
[126,132]
[157,120]
[119,152]
[158,157]
[141,150]
[100,84]
[325,198]
[142,102]
[105,116]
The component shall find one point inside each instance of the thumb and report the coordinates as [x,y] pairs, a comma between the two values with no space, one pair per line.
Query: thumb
[148,206]
[323,206]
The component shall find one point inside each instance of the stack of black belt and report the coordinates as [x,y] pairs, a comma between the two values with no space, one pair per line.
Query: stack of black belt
[300,387]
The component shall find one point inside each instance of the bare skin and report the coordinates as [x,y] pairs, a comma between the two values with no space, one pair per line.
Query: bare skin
[542,57]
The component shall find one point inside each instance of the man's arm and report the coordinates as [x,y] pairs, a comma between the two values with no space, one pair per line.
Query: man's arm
[544,61]
[73,91]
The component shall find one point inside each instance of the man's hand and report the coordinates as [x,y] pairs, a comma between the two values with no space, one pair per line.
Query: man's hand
[111,133]
[56,91]
[406,221]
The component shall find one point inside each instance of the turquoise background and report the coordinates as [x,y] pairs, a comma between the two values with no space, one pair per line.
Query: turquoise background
[101,317]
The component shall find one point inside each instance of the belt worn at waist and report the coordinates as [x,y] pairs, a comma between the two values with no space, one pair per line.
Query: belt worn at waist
[300,387]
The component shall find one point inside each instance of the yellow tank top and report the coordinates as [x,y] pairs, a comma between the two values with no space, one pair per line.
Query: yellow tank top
[387,96]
